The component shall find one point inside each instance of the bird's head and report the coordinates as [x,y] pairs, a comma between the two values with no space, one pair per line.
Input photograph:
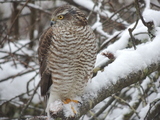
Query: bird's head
[68,13]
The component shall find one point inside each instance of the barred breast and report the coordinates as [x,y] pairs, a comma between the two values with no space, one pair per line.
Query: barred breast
[71,58]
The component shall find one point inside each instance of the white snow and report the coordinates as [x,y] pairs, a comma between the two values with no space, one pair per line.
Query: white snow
[129,60]
[143,111]
[98,27]
[152,15]
[86,3]
[16,45]
[56,106]
[123,41]
[17,85]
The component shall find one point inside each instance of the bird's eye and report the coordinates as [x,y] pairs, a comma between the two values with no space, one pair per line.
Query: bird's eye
[60,17]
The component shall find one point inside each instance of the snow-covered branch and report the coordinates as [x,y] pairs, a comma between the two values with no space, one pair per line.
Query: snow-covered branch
[113,88]
[91,98]
[128,73]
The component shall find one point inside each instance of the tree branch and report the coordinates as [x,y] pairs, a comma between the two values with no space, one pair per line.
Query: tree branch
[153,113]
[36,7]
[89,100]
[108,90]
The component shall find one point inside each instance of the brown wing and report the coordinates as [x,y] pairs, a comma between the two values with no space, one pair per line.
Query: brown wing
[45,41]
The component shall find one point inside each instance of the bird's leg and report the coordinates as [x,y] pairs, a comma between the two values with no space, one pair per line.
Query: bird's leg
[67,101]
[74,111]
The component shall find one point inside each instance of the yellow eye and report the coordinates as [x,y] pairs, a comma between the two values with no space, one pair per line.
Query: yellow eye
[60,17]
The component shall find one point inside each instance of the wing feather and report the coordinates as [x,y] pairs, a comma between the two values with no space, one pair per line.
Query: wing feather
[44,44]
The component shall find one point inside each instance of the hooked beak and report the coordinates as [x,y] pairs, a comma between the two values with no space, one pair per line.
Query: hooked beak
[52,23]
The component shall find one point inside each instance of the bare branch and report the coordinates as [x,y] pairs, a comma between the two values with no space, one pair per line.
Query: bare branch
[132,37]
[123,101]
[30,5]
[105,43]
[89,101]
[102,109]
[156,106]
[18,74]
[9,31]
[149,25]
[29,101]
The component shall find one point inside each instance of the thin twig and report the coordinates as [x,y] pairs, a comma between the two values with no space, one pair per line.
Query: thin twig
[118,11]
[123,101]
[9,31]
[92,10]
[101,67]
[12,54]
[139,12]
[15,97]
[27,86]
[150,107]
[103,108]
[130,33]
[29,101]
[30,5]
[106,42]
[149,25]
[18,74]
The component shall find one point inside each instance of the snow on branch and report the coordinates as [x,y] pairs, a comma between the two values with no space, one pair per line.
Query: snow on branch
[129,67]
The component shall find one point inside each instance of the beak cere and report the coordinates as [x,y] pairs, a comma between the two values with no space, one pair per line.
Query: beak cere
[52,23]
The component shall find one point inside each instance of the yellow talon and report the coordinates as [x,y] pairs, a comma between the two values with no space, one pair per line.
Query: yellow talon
[75,112]
[66,101]
[75,101]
